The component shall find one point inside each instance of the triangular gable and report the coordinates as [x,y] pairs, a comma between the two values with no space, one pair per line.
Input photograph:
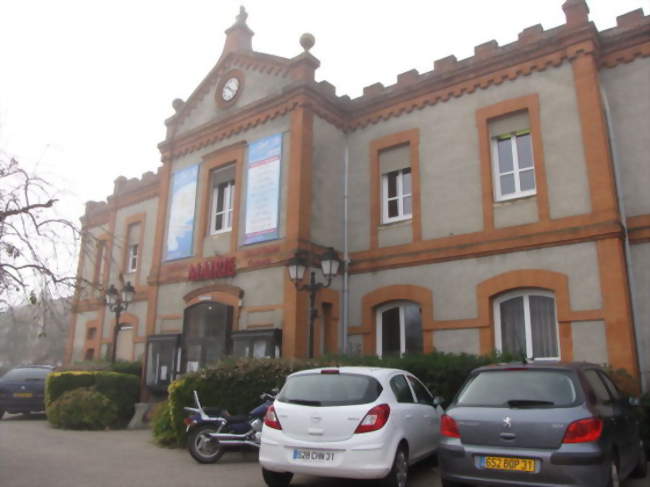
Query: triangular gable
[260,76]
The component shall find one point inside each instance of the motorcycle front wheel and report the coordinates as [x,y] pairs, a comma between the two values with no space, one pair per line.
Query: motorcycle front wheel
[202,447]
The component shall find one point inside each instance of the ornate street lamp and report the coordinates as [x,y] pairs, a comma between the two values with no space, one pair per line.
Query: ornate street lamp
[297,265]
[116,303]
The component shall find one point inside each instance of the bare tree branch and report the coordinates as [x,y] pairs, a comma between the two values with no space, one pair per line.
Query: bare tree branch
[33,237]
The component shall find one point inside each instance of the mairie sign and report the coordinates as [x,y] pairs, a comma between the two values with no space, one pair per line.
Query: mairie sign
[212,269]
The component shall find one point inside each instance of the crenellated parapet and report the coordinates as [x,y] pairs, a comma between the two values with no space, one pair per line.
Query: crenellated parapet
[536,49]
[125,192]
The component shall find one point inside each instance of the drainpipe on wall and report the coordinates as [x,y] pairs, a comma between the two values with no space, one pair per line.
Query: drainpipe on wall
[626,237]
[346,250]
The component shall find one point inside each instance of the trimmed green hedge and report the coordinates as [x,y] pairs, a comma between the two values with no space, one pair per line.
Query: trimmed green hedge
[82,408]
[122,366]
[237,385]
[121,389]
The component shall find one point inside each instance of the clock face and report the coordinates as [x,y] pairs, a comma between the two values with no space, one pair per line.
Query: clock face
[230,89]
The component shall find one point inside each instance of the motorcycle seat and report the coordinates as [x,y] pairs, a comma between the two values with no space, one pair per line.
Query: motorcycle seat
[240,418]
[214,411]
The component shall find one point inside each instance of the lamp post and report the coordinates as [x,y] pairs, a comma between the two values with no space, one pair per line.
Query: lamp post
[116,303]
[296,266]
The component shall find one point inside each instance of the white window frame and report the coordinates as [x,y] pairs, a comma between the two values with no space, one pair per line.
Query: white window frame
[525,293]
[402,325]
[498,196]
[401,215]
[227,212]
[132,258]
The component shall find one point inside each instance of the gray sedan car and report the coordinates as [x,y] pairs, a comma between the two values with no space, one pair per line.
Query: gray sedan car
[537,425]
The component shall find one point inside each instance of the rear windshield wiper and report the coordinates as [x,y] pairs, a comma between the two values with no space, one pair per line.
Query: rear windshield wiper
[528,403]
[304,402]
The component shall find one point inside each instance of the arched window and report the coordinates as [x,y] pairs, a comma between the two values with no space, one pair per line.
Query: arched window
[525,323]
[399,328]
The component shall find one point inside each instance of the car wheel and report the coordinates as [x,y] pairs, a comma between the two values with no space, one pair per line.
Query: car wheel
[641,469]
[202,447]
[398,475]
[276,479]
[614,478]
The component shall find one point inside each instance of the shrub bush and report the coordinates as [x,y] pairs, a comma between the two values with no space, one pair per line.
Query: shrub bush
[161,424]
[127,367]
[237,384]
[82,408]
[121,389]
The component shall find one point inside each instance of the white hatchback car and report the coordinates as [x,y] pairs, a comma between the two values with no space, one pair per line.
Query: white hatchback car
[351,422]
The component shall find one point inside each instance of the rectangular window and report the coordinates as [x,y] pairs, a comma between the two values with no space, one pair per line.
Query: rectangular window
[162,360]
[257,343]
[91,333]
[99,262]
[133,246]
[514,170]
[223,189]
[397,198]
[132,258]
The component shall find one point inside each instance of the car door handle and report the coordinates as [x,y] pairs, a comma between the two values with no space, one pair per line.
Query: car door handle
[408,416]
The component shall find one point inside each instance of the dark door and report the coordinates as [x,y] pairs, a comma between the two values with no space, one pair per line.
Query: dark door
[207,330]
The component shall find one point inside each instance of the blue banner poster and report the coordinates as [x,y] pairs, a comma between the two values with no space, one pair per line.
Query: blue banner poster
[263,190]
[180,227]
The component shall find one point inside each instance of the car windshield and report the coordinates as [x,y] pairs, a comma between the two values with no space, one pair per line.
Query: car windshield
[523,388]
[330,389]
[26,373]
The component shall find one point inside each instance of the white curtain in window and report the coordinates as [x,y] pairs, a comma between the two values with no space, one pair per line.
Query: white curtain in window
[513,332]
[542,322]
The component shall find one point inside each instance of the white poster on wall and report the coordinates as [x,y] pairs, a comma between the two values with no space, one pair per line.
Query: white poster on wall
[263,190]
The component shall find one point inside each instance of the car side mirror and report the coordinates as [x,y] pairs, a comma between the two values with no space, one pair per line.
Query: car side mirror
[438,401]
[634,401]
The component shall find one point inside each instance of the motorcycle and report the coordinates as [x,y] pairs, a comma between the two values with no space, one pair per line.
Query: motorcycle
[212,431]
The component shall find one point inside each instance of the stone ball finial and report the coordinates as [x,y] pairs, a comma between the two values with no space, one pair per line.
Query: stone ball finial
[307,41]
[177,104]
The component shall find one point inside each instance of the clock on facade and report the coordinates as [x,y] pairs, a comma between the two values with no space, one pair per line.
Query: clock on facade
[229,88]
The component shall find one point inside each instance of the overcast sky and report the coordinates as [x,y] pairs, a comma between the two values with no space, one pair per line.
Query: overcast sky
[85,86]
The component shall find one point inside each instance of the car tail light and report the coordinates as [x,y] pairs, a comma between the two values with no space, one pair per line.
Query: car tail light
[375,419]
[583,431]
[448,427]
[271,419]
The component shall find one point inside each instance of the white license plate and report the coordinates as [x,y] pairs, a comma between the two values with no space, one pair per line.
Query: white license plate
[313,455]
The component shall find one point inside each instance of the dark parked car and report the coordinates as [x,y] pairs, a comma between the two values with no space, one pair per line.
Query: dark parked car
[541,424]
[22,389]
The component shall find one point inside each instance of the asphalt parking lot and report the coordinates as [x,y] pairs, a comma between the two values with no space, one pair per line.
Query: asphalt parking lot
[33,454]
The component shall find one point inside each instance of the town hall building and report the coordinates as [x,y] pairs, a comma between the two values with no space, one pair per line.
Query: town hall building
[498,202]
